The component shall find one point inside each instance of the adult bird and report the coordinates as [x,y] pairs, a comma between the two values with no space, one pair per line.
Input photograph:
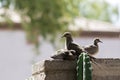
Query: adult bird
[70,45]
[64,55]
[94,48]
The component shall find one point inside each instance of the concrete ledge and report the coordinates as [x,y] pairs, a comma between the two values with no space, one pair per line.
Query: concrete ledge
[103,69]
[106,69]
[53,65]
[54,70]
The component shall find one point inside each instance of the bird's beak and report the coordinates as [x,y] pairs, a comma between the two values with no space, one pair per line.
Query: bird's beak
[101,42]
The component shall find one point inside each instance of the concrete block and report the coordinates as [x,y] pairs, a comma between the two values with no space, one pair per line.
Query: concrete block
[53,65]
[103,69]
[54,70]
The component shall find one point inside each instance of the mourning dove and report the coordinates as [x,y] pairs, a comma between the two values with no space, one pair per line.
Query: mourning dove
[94,48]
[70,45]
[64,55]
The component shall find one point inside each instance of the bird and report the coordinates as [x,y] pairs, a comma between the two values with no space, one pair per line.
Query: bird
[64,55]
[70,45]
[94,48]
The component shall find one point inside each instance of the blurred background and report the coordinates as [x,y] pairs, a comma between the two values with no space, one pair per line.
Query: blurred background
[30,30]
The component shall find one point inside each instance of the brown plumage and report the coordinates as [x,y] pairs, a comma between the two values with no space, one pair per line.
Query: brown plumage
[94,48]
[72,46]
[64,55]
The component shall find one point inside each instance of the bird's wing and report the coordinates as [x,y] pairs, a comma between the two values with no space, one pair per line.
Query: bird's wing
[91,49]
[75,47]
[90,46]
[58,56]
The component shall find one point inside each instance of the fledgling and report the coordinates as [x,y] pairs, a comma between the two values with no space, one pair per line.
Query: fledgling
[64,55]
[94,48]
[70,45]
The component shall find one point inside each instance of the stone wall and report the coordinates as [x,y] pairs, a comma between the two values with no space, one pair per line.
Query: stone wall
[103,69]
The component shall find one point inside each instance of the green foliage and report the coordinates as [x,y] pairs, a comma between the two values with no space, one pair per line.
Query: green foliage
[44,17]
[84,71]
[98,9]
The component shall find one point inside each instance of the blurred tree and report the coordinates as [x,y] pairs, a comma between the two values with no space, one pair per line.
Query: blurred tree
[47,18]
[98,9]
[44,17]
